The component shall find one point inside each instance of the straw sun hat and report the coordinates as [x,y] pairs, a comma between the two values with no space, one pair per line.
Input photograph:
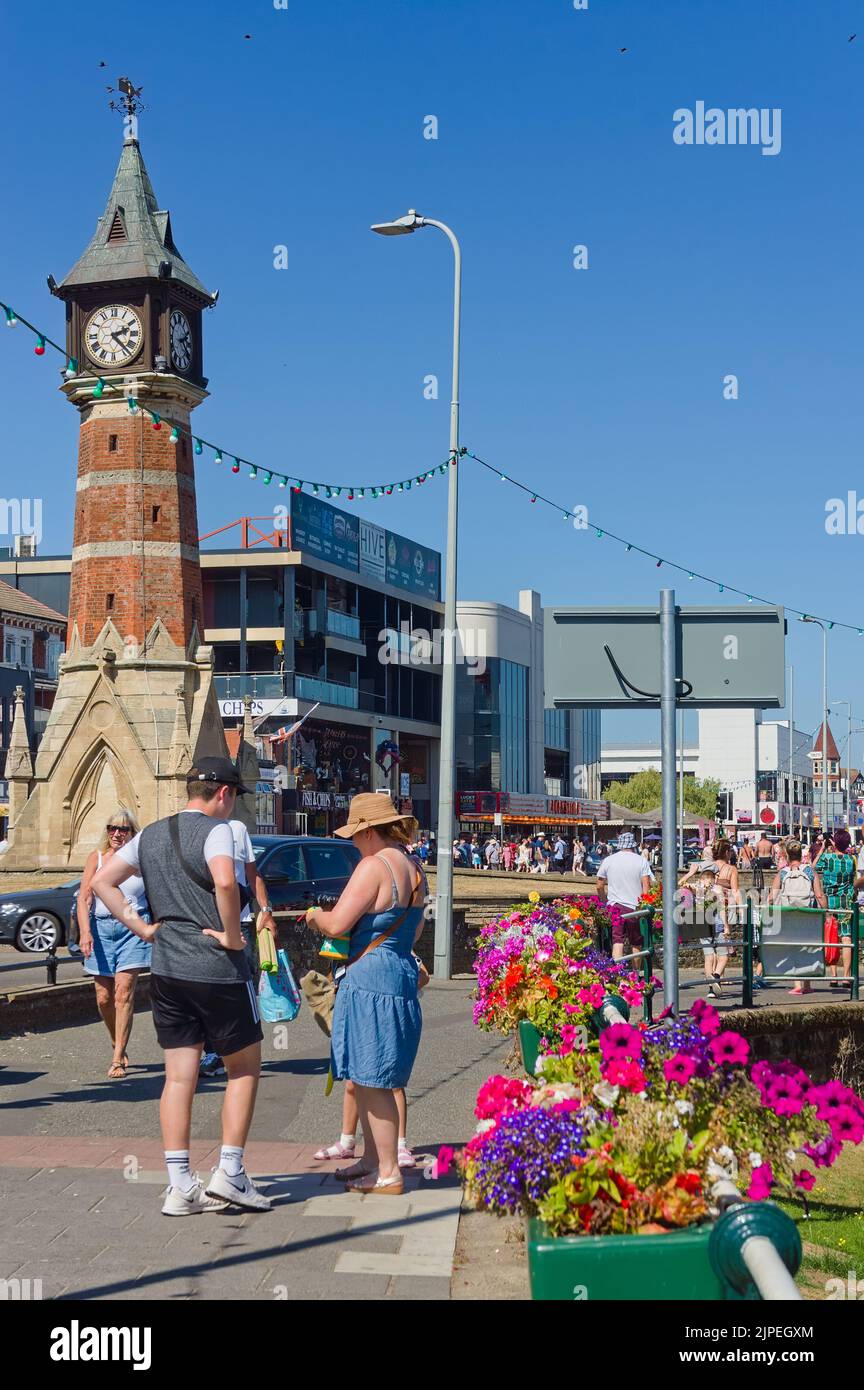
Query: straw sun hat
[368,810]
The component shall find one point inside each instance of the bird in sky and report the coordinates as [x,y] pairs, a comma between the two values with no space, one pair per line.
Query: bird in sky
[852,36]
[622,50]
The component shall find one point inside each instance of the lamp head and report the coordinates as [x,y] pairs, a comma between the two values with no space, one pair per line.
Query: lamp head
[401,227]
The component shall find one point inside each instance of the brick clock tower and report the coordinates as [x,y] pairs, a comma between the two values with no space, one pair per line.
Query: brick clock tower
[136,701]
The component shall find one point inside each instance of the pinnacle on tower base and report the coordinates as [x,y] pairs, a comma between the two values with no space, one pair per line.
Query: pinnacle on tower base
[117,736]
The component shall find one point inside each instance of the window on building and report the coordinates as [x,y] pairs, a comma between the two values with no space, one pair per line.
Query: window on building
[18,647]
[53,652]
[112,443]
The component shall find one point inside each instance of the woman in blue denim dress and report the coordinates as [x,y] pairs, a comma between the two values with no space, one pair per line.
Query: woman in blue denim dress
[113,954]
[377,1019]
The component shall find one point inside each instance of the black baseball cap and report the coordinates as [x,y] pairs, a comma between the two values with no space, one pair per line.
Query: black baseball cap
[220,771]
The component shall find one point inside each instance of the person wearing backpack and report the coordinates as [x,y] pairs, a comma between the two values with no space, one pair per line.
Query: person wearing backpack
[796,885]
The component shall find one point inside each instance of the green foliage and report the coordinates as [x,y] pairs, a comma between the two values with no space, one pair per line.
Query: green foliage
[644,791]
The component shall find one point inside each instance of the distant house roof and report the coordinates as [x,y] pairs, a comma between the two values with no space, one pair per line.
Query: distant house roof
[15,603]
[832,746]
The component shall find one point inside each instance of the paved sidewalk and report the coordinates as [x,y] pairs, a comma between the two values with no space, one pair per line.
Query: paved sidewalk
[92,1229]
[82,1176]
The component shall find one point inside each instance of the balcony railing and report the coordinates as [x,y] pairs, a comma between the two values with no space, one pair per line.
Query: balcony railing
[328,692]
[261,685]
[333,624]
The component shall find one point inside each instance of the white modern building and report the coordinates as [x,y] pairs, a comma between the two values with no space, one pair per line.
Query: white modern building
[621,761]
[762,766]
[506,740]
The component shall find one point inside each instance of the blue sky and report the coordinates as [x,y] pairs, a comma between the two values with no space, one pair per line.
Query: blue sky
[601,387]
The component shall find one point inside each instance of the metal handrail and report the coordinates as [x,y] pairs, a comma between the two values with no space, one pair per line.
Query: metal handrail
[825,912]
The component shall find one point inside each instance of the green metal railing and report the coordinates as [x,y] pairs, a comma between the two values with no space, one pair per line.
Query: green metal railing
[822,913]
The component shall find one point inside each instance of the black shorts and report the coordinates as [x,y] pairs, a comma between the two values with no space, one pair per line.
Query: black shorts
[189,1012]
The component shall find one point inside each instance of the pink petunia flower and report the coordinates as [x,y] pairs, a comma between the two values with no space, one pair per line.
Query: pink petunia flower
[825,1153]
[729,1048]
[620,1042]
[443,1162]
[761,1183]
[830,1098]
[626,1073]
[783,1095]
[571,1008]
[592,996]
[847,1126]
[804,1179]
[709,1022]
[679,1068]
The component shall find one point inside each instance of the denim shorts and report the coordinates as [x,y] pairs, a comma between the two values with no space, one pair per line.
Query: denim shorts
[116,948]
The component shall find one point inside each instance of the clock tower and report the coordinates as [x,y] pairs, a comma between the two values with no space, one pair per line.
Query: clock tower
[135,704]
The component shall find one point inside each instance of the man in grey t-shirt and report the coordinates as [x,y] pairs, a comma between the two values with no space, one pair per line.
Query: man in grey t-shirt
[200,981]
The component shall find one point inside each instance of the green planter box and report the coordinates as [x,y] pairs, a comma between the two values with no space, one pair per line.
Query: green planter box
[529,1045]
[622,1268]
[530,1037]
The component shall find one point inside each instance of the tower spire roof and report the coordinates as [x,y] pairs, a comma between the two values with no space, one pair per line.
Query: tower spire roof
[133,238]
[833,753]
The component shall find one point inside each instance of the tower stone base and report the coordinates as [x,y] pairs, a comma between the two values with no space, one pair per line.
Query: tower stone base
[124,729]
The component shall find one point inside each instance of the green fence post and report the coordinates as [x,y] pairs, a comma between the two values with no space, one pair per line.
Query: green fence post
[747,986]
[856,950]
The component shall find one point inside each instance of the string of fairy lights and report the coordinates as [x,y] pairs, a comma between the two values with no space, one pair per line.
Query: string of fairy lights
[351,492]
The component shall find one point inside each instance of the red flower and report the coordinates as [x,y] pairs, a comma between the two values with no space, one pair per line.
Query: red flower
[690,1181]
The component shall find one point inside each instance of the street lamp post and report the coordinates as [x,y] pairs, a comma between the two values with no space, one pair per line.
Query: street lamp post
[447,767]
[819,623]
[848,705]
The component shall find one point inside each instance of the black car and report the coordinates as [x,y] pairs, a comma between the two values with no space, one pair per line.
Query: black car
[38,920]
[302,870]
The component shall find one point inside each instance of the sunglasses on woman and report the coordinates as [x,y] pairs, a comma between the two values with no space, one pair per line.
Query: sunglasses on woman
[119,829]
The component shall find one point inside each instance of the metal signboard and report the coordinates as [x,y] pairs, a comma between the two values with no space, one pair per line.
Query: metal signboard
[610,658]
[324,531]
[413,566]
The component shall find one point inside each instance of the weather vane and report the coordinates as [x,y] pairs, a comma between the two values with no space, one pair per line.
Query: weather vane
[129,105]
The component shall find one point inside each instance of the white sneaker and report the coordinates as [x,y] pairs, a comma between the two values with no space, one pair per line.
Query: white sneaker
[192,1203]
[240,1191]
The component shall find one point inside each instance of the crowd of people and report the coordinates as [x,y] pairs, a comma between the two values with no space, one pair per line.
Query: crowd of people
[538,854]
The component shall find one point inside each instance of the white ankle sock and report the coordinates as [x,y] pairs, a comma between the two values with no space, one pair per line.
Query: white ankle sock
[179,1173]
[231,1160]
[348,1141]
[403,1144]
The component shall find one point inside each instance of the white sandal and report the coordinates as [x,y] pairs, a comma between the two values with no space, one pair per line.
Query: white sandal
[339,1150]
[382,1187]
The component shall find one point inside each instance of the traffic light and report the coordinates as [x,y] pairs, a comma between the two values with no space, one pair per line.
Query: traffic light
[720,809]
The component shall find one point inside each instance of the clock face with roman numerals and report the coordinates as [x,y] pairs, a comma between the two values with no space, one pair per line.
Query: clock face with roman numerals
[181,341]
[113,335]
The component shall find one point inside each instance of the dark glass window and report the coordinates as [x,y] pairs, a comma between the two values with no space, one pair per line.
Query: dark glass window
[226,603]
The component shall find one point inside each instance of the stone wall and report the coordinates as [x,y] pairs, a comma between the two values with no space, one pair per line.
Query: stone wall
[826,1040]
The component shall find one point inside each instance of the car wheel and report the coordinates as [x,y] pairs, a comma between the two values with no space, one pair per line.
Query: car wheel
[37,933]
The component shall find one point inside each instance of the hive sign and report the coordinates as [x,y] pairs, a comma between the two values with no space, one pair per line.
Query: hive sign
[373,550]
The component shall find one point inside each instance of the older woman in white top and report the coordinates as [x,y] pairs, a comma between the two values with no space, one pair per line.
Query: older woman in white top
[113,954]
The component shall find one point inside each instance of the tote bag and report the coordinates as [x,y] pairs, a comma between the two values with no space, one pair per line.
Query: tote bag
[278,995]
